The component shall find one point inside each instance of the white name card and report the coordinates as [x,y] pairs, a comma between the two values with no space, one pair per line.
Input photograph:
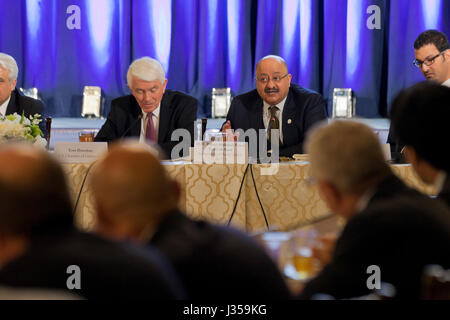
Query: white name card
[219,152]
[79,152]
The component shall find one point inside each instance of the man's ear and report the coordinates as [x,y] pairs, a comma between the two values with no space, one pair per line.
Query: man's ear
[330,194]
[13,84]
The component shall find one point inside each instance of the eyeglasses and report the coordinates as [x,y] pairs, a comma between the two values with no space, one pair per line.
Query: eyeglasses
[427,62]
[266,79]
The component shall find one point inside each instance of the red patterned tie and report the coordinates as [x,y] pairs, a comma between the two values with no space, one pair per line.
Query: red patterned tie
[150,134]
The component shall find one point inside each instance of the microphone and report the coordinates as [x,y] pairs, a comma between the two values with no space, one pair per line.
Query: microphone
[48,127]
[132,125]
[271,122]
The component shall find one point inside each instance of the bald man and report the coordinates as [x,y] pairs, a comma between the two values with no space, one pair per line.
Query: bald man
[137,201]
[41,249]
[277,104]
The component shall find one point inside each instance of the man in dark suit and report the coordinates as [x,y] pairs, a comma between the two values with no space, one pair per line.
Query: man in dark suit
[392,231]
[168,110]
[10,99]
[137,201]
[279,105]
[41,249]
[432,52]
[420,117]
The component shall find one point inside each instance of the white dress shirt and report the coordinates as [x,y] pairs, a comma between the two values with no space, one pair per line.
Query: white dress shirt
[446,83]
[144,120]
[279,114]
[4,106]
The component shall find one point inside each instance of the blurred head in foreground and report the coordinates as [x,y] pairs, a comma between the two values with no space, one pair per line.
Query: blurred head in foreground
[133,192]
[346,159]
[34,196]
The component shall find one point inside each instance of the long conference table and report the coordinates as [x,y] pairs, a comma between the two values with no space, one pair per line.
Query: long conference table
[210,191]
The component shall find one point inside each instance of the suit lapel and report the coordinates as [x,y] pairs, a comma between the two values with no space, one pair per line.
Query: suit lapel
[258,121]
[289,129]
[12,107]
[164,117]
[135,111]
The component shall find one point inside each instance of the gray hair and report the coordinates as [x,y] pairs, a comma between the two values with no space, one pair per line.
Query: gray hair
[274,57]
[9,64]
[347,154]
[146,69]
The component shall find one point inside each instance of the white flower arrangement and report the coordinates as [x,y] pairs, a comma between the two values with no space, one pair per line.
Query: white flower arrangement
[18,128]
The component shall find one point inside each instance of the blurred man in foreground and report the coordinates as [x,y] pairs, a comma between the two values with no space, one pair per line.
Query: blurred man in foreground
[41,249]
[420,116]
[389,225]
[137,201]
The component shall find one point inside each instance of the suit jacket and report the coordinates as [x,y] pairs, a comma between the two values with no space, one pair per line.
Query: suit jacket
[178,111]
[19,103]
[401,231]
[29,106]
[108,270]
[444,195]
[303,108]
[217,263]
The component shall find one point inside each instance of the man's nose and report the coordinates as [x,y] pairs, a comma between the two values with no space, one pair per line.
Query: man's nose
[424,68]
[147,96]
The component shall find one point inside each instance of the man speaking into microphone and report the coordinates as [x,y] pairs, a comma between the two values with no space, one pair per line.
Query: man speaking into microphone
[276,104]
[151,112]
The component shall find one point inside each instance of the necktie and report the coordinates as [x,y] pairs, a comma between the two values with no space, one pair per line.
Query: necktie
[150,133]
[274,123]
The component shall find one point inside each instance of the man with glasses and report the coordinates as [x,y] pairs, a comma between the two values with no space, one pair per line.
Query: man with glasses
[276,104]
[432,57]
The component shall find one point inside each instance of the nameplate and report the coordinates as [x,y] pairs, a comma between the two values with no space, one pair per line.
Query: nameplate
[79,152]
[218,152]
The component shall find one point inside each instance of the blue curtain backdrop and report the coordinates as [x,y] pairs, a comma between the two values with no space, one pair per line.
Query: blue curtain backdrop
[216,43]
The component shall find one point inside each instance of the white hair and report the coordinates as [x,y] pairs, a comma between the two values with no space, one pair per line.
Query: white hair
[9,64]
[347,154]
[146,69]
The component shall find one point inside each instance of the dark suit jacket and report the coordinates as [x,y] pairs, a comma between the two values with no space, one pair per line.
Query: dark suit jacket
[444,195]
[29,106]
[303,108]
[19,103]
[178,111]
[401,231]
[217,263]
[108,270]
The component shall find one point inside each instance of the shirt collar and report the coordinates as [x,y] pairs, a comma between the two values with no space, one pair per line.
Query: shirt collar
[364,200]
[4,106]
[280,105]
[155,112]
[440,181]
[446,83]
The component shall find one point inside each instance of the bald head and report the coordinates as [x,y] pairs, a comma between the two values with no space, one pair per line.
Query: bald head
[272,79]
[33,191]
[131,186]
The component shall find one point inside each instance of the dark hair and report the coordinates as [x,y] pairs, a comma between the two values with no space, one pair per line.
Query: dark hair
[432,37]
[38,206]
[419,116]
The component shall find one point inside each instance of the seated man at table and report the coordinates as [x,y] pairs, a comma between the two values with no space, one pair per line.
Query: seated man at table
[151,112]
[391,228]
[420,116]
[278,105]
[137,201]
[432,52]
[11,101]
[41,249]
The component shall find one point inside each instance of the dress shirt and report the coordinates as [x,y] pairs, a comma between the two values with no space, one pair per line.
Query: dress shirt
[4,106]
[155,118]
[279,114]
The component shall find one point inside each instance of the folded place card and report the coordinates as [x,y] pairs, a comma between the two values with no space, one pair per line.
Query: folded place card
[79,152]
